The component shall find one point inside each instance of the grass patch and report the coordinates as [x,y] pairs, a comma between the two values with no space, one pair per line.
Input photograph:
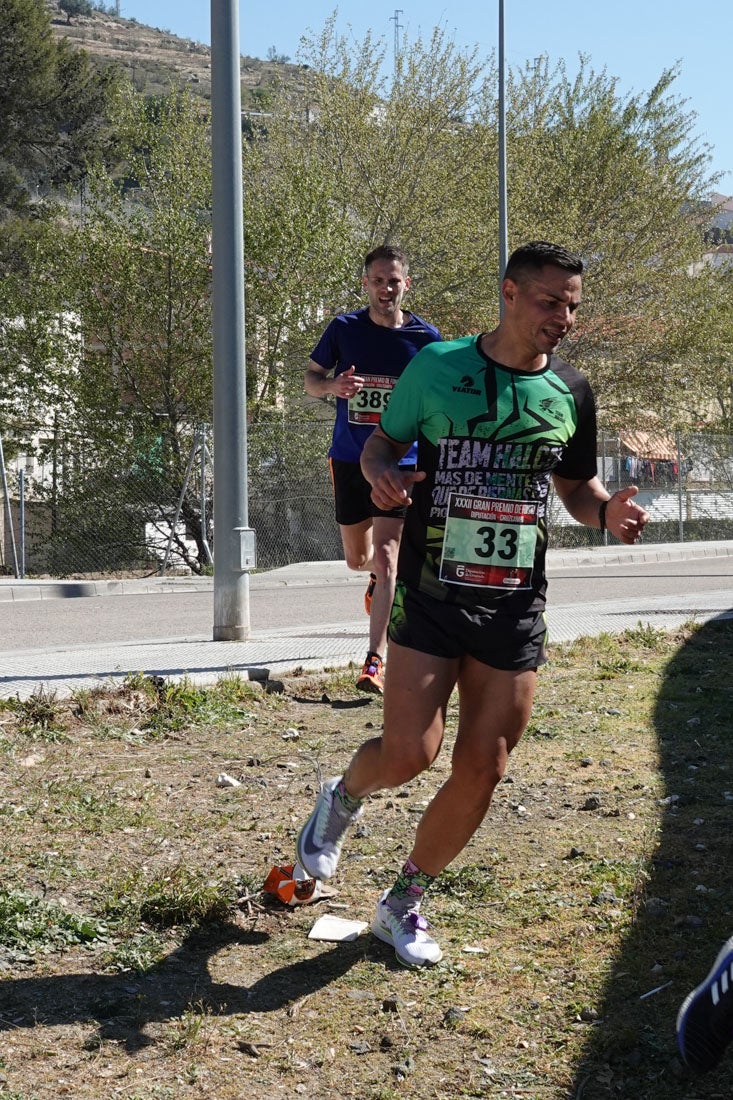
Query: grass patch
[178,897]
[29,926]
[37,718]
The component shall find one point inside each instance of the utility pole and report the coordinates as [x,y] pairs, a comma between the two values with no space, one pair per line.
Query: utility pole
[234,548]
[397,28]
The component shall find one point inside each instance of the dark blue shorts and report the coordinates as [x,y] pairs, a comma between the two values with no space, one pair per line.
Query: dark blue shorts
[496,637]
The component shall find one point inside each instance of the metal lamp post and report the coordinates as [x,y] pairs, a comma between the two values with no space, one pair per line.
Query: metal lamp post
[234,547]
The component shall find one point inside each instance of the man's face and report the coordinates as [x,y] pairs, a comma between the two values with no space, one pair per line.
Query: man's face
[542,307]
[385,284]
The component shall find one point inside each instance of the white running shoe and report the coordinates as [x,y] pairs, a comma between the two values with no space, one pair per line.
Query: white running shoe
[320,840]
[407,933]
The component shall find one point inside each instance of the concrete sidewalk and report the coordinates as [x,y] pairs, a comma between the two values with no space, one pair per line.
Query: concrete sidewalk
[71,668]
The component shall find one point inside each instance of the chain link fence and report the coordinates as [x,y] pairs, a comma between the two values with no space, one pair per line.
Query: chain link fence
[64,517]
[67,516]
[685,482]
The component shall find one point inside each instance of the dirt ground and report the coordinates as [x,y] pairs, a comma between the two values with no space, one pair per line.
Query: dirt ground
[140,958]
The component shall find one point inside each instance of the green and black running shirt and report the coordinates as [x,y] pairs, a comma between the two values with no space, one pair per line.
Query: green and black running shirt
[489,438]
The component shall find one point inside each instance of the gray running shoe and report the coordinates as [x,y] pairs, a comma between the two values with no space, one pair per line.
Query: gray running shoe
[320,840]
[407,932]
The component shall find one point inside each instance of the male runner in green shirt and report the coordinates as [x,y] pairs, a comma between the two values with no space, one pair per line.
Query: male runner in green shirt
[497,418]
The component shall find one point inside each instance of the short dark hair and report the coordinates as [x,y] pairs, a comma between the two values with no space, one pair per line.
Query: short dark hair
[386,252]
[535,255]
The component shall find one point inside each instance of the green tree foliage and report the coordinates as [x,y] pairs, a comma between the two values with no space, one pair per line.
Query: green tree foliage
[701,348]
[37,337]
[75,7]
[348,160]
[415,161]
[301,251]
[136,274]
[53,107]
[351,157]
[276,57]
[411,158]
[620,180]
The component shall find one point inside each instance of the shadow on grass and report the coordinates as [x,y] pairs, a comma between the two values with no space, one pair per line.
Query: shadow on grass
[686,911]
[122,1005]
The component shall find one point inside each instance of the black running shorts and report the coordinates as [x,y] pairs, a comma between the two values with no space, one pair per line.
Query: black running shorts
[506,641]
[353,494]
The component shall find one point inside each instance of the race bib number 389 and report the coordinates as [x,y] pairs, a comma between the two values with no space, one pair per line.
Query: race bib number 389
[366,406]
[489,543]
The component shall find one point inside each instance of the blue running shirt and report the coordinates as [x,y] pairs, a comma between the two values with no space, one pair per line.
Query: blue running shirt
[380,354]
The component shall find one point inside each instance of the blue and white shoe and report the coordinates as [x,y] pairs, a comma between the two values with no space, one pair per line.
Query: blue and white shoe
[406,931]
[705,1018]
[321,838]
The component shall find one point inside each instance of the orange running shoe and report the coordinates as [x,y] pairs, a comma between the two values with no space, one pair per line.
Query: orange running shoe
[369,593]
[372,675]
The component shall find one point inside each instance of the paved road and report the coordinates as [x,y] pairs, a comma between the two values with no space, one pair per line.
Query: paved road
[312,615]
[279,604]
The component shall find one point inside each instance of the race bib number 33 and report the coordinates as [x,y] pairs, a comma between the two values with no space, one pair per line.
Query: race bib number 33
[489,543]
[366,406]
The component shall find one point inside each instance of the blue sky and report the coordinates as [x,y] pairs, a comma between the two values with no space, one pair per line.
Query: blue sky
[633,40]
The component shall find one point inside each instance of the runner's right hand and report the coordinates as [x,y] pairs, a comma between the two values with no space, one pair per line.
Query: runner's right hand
[347,383]
[392,487]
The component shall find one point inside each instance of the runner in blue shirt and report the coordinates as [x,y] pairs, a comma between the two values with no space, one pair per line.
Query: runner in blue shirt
[358,360]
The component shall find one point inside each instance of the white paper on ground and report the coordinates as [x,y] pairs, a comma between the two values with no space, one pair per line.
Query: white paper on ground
[224,780]
[336,929]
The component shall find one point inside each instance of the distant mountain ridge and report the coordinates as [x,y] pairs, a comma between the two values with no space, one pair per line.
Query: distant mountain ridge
[154,59]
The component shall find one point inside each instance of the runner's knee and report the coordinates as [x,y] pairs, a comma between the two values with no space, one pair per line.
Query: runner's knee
[358,562]
[480,772]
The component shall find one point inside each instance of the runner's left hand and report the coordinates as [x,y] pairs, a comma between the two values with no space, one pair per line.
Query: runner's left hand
[624,517]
